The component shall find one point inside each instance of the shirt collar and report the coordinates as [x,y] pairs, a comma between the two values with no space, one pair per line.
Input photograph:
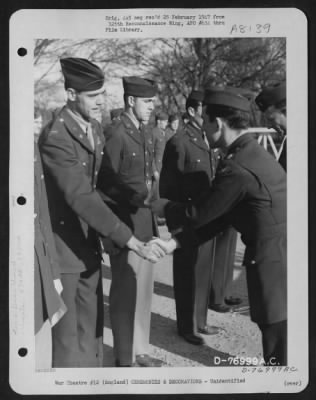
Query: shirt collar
[84,125]
[133,120]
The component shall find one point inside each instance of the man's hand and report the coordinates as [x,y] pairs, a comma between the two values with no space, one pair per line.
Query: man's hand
[150,251]
[168,246]
[158,207]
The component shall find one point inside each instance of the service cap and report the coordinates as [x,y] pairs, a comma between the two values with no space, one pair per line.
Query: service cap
[226,97]
[173,117]
[116,112]
[162,116]
[270,96]
[81,74]
[139,87]
[197,95]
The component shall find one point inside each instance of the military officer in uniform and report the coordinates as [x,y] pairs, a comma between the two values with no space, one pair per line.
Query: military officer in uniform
[248,192]
[125,181]
[159,141]
[115,114]
[272,102]
[71,147]
[173,125]
[188,170]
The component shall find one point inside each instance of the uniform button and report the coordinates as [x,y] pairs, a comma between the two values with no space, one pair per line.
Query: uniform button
[134,154]
[84,164]
[35,215]
[81,136]
[198,160]
[195,139]
[62,222]
[102,152]
[146,152]
[96,173]
[252,262]
[147,163]
[42,176]
[61,119]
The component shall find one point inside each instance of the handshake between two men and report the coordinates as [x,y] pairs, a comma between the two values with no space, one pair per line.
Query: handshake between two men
[156,248]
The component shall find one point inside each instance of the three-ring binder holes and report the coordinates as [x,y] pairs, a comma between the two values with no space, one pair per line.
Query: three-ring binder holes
[22,352]
[22,51]
[21,200]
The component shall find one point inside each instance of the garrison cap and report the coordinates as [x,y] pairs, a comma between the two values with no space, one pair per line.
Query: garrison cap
[116,112]
[197,95]
[162,116]
[139,87]
[81,74]
[173,117]
[226,97]
[271,96]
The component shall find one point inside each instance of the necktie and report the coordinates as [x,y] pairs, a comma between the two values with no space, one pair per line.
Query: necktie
[90,136]
[205,140]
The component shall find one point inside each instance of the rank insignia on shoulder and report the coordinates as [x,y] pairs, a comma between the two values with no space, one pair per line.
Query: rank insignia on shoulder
[230,156]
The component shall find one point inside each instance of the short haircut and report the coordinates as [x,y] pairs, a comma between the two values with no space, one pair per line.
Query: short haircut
[236,119]
[192,103]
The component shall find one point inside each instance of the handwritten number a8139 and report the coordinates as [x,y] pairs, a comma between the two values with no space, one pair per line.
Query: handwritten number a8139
[258,28]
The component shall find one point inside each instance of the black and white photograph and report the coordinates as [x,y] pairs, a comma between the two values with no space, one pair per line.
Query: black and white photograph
[158,202]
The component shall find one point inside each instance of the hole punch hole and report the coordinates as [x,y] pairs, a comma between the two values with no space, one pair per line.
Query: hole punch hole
[22,352]
[22,51]
[21,200]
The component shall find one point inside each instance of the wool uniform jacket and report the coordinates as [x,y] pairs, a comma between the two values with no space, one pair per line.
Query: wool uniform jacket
[188,166]
[126,175]
[248,192]
[77,211]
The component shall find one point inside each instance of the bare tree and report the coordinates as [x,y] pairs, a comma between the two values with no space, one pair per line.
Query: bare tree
[177,64]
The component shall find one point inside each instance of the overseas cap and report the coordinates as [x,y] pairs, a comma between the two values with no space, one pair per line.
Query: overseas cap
[197,95]
[226,97]
[139,87]
[162,116]
[271,96]
[116,112]
[81,74]
[173,117]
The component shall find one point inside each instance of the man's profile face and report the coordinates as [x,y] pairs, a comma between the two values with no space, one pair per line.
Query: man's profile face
[89,104]
[211,129]
[276,118]
[199,109]
[143,107]
[162,123]
[174,125]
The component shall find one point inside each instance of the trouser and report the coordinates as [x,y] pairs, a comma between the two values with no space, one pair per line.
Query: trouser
[274,343]
[43,346]
[130,305]
[77,337]
[223,266]
[192,273]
